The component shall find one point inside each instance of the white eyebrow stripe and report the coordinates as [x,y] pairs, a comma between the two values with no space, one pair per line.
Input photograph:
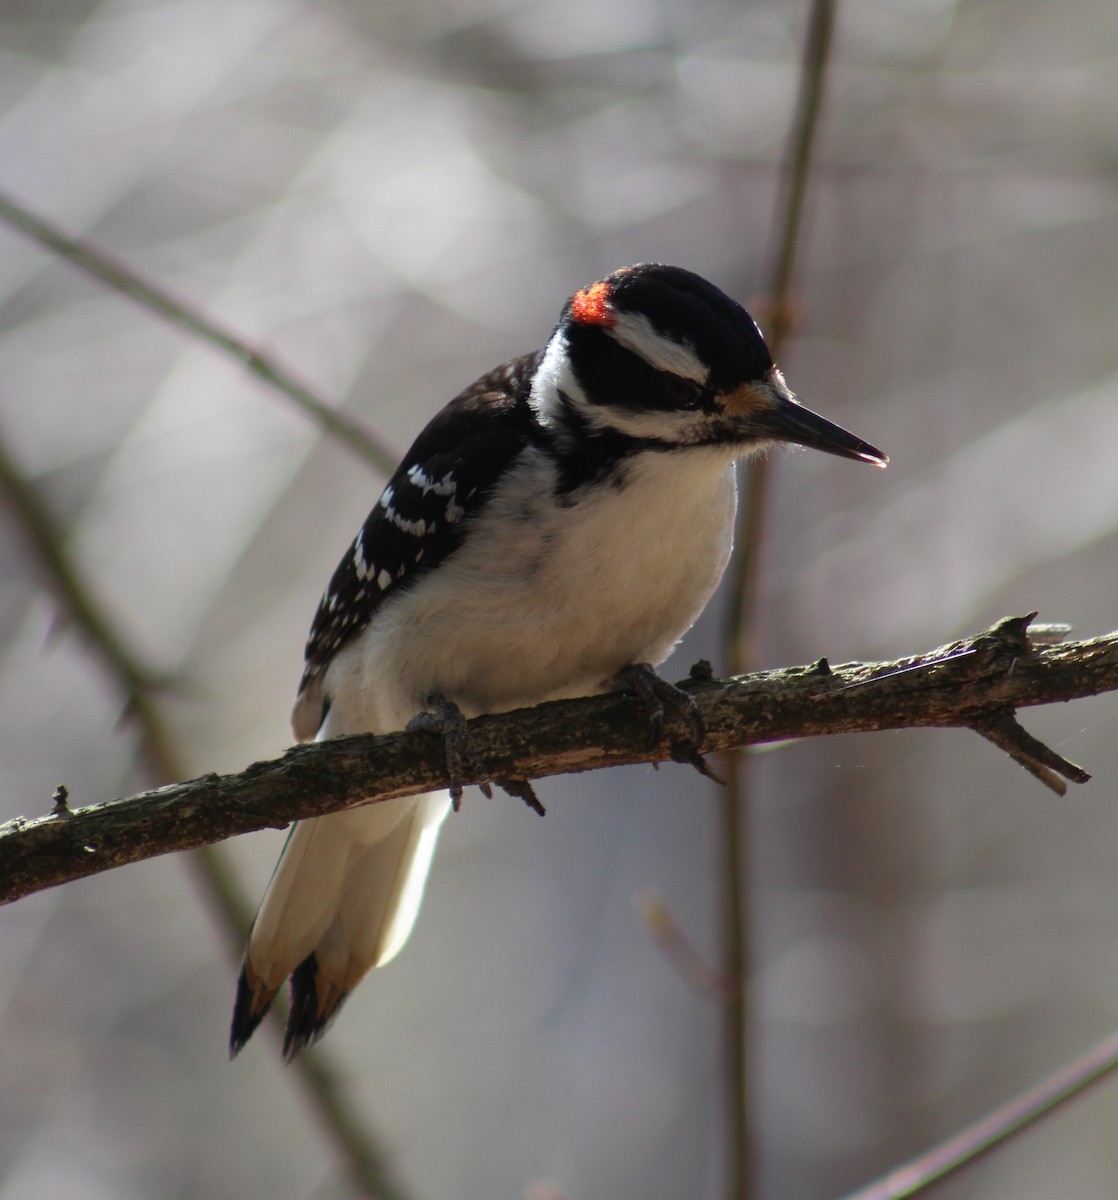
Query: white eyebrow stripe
[637,333]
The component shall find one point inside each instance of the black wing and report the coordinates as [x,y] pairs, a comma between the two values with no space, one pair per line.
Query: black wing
[418,521]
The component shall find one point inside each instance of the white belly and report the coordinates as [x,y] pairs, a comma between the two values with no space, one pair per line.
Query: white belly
[553,600]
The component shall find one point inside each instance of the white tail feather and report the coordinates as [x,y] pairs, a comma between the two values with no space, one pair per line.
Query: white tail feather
[348,888]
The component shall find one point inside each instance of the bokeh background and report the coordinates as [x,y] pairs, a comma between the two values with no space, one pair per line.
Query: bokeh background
[393,197]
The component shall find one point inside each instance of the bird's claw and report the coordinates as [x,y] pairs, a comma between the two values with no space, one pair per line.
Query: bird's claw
[685,752]
[656,695]
[521,789]
[444,718]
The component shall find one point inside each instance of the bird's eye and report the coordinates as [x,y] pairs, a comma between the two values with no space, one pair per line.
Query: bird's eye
[682,392]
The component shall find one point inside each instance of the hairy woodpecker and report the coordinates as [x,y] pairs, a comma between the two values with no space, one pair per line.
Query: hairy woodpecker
[561,523]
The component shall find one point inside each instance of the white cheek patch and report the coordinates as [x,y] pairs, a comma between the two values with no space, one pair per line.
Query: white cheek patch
[554,376]
[637,333]
[555,379]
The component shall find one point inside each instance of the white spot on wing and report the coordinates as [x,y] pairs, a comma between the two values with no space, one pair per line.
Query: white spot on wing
[441,487]
[359,557]
[415,528]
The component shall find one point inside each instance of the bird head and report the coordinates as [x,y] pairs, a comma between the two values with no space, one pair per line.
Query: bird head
[658,356]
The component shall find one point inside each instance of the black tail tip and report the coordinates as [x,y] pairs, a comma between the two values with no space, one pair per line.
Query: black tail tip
[309,1017]
[249,1009]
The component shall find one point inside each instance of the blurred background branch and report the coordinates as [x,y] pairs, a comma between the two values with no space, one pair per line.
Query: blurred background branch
[742,1170]
[993,1131]
[157,300]
[359,1158]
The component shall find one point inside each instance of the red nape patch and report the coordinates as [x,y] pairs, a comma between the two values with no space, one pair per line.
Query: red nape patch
[590,306]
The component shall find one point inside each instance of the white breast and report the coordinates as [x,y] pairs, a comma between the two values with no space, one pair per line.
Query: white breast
[546,600]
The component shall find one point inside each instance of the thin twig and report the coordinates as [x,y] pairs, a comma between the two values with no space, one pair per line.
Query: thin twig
[355,1148]
[997,1128]
[1005,732]
[742,624]
[680,950]
[156,299]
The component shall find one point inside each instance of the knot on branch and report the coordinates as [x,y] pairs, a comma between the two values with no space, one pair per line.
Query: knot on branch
[1002,645]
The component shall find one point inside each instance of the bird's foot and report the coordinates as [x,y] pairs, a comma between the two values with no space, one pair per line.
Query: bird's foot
[444,718]
[658,697]
[521,789]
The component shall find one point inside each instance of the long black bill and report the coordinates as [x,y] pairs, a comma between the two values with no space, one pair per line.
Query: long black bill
[789,421]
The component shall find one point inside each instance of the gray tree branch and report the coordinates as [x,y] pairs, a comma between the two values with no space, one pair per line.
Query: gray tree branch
[361,1160]
[126,280]
[978,684]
